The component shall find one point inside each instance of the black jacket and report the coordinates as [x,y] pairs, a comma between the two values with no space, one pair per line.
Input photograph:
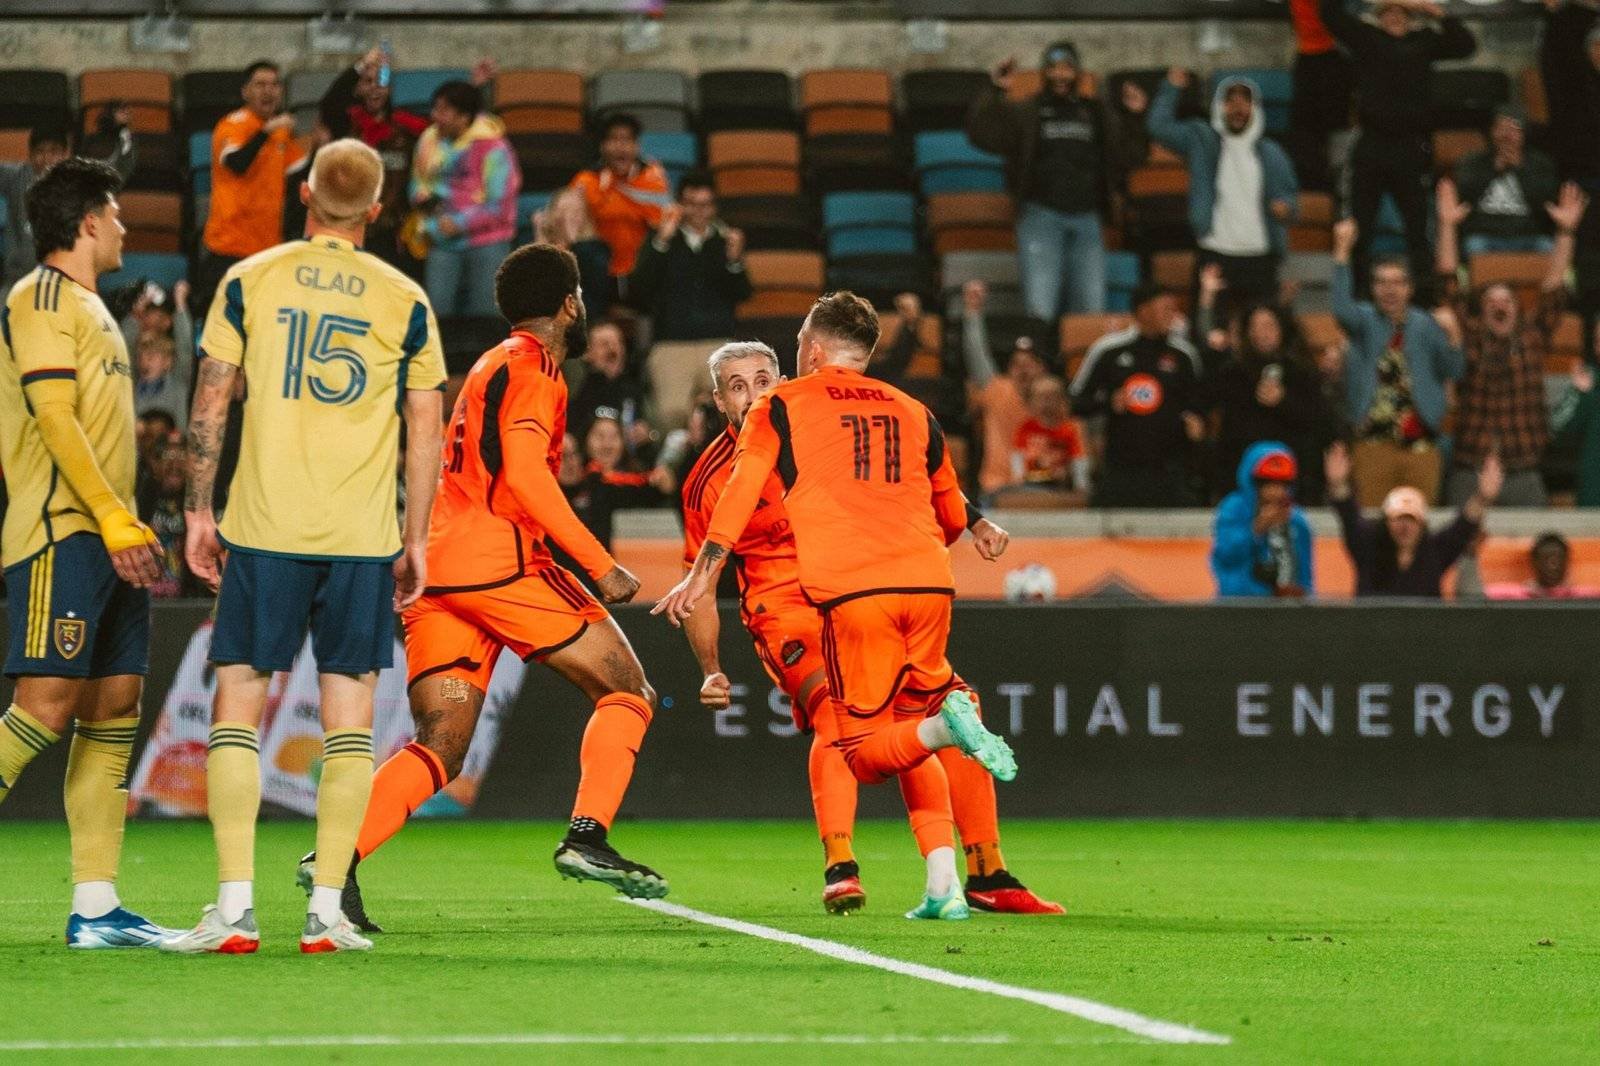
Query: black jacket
[1394,75]
[1159,380]
[690,295]
[1372,552]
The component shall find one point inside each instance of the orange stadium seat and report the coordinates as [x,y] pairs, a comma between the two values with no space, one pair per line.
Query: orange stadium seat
[786,284]
[147,93]
[754,162]
[154,221]
[1312,231]
[1080,332]
[1566,345]
[13,146]
[1450,147]
[1523,271]
[1319,330]
[847,101]
[540,101]
[1535,101]
[971,221]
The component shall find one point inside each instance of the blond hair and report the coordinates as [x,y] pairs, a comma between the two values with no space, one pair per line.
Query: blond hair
[346,178]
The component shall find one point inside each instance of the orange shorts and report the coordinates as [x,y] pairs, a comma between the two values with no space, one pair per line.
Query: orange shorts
[462,633]
[888,647]
[789,644]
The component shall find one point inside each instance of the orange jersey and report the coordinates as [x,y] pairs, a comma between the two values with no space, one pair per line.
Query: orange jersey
[868,485]
[624,212]
[765,556]
[247,209]
[498,496]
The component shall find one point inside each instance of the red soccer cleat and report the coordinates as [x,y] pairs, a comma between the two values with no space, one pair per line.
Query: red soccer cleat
[843,893]
[1000,893]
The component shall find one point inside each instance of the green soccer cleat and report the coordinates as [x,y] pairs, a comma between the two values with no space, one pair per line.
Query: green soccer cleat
[952,908]
[960,716]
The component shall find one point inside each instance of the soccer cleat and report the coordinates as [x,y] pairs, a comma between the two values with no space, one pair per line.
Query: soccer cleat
[952,908]
[967,729]
[217,937]
[1001,893]
[349,899]
[319,939]
[843,893]
[590,861]
[119,928]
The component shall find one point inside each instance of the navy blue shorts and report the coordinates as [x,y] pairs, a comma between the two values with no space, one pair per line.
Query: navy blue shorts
[268,601]
[70,615]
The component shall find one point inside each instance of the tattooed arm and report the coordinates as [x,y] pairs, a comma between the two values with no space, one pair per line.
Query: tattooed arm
[207,422]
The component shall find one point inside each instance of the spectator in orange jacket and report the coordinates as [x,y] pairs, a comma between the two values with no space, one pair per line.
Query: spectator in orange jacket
[626,195]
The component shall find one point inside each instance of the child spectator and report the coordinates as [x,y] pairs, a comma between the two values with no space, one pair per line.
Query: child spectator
[611,481]
[1048,449]
[160,334]
[160,503]
[1550,559]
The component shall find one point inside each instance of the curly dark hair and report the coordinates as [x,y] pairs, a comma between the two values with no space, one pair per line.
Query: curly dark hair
[63,195]
[534,281]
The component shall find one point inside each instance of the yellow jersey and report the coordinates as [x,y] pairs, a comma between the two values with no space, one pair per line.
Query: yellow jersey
[52,328]
[329,339]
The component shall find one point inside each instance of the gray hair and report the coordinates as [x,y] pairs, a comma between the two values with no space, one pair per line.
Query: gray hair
[738,350]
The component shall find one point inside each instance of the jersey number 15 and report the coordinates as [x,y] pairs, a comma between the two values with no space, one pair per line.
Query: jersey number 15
[322,352]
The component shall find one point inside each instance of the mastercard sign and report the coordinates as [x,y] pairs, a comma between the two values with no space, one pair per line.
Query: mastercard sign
[1142,394]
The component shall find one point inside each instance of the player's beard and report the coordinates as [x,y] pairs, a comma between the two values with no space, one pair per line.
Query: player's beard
[577,335]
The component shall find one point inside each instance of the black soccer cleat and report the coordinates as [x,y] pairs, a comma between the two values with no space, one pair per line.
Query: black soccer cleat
[349,899]
[591,860]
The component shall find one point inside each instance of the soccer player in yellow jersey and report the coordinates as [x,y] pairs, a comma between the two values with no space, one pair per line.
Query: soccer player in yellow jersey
[336,348]
[77,562]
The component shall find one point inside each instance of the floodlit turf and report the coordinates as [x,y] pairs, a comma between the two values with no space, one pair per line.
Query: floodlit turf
[1348,942]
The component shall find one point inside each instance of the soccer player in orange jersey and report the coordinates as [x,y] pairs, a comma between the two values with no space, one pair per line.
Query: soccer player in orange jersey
[493,585]
[874,504]
[787,631]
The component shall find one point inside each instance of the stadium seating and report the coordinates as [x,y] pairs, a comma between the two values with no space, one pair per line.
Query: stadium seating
[675,151]
[305,91]
[13,146]
[163,268]
[847,101]
[35,98]
[1464,98]
[659,99]
[528,204]
[540,101]
[971,221]
[1312,275]
[1174,271]
[549,160]
[207,95]
[1318,330]
[772,222]
[1122,277]
[1535,102]
[147,94]
[1523,271]
[997,270]
[1452,146]
[1312,230]
[869,223]
[879,277]
[839,161]
[154,221]
[1080,332]
[945,161]
[414,89]
[746,100]
[786,283]
[754,162]
[939,99]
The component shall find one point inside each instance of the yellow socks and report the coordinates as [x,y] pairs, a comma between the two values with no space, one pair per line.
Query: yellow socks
[96,796]
[341,805]
[21,738]
[233,798]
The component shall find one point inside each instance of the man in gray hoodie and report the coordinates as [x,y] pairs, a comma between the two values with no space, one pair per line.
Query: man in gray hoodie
[47,146]
[1242,187]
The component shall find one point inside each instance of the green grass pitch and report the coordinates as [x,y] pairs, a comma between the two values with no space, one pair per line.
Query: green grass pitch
[1306,941]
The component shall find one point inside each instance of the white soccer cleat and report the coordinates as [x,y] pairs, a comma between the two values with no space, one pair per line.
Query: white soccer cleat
[340,936]
[217,937]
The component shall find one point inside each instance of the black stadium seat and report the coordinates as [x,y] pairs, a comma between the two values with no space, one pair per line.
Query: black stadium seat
[837,162]
[35,98]
[549,160]
[746,100]
[939,99]
[207,95]
[1465,99]
[772,221]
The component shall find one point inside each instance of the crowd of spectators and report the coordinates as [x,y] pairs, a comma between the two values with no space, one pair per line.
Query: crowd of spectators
[1430,382]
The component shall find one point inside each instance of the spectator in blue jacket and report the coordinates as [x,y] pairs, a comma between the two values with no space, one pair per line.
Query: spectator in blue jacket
[1242,187]
[1262,545]
[1399,360]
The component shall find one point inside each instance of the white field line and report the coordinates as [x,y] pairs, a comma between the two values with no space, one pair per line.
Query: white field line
[1087,1009]
[223,1043]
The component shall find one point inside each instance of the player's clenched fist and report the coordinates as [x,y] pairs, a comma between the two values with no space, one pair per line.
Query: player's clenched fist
[990,539]
[716,692]
[617,585]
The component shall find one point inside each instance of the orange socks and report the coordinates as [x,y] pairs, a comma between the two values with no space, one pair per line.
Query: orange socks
[402,784]
[833,786]
[927,794]
[885,752]
[610,746]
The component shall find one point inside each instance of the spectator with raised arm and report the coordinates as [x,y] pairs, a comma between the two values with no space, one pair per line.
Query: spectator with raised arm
[998,397]
[625,193]
[1261,545]
[1322,87]
[1501,398]
[1394,56]
[1061,162]
[1498,199]
[464,185]
[1400,555]
[1144,382]
[1397,369]
[1242,188]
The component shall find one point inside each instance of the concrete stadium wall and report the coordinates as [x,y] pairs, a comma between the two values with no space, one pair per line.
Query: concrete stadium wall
[793,36]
